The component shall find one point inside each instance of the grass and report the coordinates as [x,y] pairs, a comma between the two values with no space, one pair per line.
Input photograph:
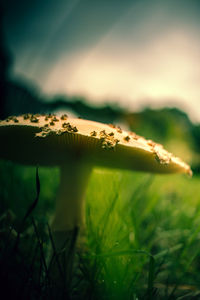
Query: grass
[143,239]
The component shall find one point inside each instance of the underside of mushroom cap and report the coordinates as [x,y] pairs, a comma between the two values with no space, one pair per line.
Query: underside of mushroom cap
[50,140]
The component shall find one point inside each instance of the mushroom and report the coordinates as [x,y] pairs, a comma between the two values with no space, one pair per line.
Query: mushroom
[76,146]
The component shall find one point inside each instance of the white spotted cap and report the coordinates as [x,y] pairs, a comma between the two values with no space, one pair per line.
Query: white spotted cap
[50,140]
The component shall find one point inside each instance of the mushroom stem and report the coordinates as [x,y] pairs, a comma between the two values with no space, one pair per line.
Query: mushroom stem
[70,202]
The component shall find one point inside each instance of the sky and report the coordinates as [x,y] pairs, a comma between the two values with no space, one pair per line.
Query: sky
[134,53]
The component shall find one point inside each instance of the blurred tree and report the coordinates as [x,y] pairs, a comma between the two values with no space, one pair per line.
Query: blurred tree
[160,124]
[5,63]
[196,134]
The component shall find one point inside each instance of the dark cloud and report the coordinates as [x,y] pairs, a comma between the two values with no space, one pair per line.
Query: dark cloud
[52,28]
[55,42]
[31,23]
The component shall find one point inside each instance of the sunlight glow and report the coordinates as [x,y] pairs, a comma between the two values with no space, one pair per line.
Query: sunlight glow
[165,71]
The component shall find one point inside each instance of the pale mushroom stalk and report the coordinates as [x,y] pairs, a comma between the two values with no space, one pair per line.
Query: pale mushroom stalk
[70,202]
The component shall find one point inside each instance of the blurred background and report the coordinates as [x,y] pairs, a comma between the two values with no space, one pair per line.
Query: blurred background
[132,62]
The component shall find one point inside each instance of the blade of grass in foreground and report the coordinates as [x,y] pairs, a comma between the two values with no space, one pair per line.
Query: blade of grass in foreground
[29,211]
[151,277]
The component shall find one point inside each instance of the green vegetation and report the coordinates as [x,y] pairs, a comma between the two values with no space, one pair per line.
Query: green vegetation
[142,236]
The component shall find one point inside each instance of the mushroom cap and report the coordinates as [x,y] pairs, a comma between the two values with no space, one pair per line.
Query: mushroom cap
[50,140]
